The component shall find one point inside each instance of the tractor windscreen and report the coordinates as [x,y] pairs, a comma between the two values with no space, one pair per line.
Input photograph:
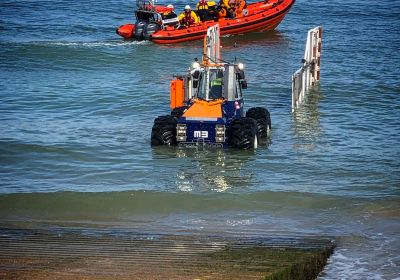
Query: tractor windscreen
[210,84]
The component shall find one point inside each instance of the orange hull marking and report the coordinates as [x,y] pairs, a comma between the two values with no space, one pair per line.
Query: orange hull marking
[205,109]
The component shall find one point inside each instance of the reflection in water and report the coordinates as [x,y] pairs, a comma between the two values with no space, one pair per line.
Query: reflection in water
[215,170]
[307,126]
[203,170]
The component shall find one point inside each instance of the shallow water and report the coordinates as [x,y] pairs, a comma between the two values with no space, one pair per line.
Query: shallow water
[77,105]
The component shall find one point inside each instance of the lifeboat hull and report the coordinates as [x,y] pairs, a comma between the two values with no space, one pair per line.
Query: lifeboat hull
[261,17]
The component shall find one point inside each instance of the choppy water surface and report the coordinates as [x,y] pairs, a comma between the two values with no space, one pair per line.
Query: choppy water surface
[77,105]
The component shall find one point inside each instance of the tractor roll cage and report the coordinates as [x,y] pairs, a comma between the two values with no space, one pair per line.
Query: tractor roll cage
[215,82]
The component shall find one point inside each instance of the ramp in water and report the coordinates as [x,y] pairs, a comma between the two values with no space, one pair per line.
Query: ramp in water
[80,254]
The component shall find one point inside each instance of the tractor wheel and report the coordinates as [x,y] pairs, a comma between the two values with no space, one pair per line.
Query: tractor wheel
[178,111]
[263,119]
[164,131]
[242,134]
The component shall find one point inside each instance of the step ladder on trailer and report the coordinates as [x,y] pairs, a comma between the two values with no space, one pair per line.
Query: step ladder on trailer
[309,74]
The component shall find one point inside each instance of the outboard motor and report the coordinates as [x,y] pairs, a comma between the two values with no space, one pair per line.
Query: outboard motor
[149,29]
[139,28]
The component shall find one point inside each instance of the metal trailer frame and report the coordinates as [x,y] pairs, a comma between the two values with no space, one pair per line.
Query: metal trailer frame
[309,74]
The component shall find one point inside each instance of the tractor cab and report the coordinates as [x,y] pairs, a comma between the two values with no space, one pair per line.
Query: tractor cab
[215,83]
[213,78]
[211,82]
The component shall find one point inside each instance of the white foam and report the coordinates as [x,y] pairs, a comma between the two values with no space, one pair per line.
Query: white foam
[340,256]
[342,265]
[91,44]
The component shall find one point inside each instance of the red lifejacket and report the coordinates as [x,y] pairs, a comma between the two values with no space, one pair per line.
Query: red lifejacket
[203,5]
[232,3]
[188,20]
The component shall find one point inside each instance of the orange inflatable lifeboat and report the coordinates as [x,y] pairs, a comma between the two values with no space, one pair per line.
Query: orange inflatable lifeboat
[153,25]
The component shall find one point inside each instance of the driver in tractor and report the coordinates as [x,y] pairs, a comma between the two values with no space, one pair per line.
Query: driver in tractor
[188,17]
[216,85]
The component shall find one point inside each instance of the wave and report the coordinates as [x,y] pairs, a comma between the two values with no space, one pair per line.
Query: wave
[95,44]
[85,44]
[125,204]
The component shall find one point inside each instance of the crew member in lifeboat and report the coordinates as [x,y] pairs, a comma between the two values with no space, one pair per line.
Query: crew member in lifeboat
[188,17]
[231,8]
[170,13]
[169,17]
[237,7]
[223,8]
[206,10]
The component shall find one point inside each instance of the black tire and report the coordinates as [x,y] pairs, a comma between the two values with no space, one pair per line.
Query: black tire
[178,111]
[164,131]
[242,134]
[263,119]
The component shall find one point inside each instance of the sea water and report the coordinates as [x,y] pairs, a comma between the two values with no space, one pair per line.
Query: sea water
[77,104]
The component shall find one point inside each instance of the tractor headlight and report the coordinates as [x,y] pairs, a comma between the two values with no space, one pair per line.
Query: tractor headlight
[220,133]
[195,65]
[181,132]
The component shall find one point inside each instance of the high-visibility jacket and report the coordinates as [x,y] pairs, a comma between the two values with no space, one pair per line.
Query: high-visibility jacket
[188,18]
[169,15]
[224,4]
[238,6]
[205,5]
[206,10]
[216,88]
[216,82]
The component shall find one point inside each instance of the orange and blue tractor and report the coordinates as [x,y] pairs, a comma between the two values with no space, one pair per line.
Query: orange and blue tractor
[207,107]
